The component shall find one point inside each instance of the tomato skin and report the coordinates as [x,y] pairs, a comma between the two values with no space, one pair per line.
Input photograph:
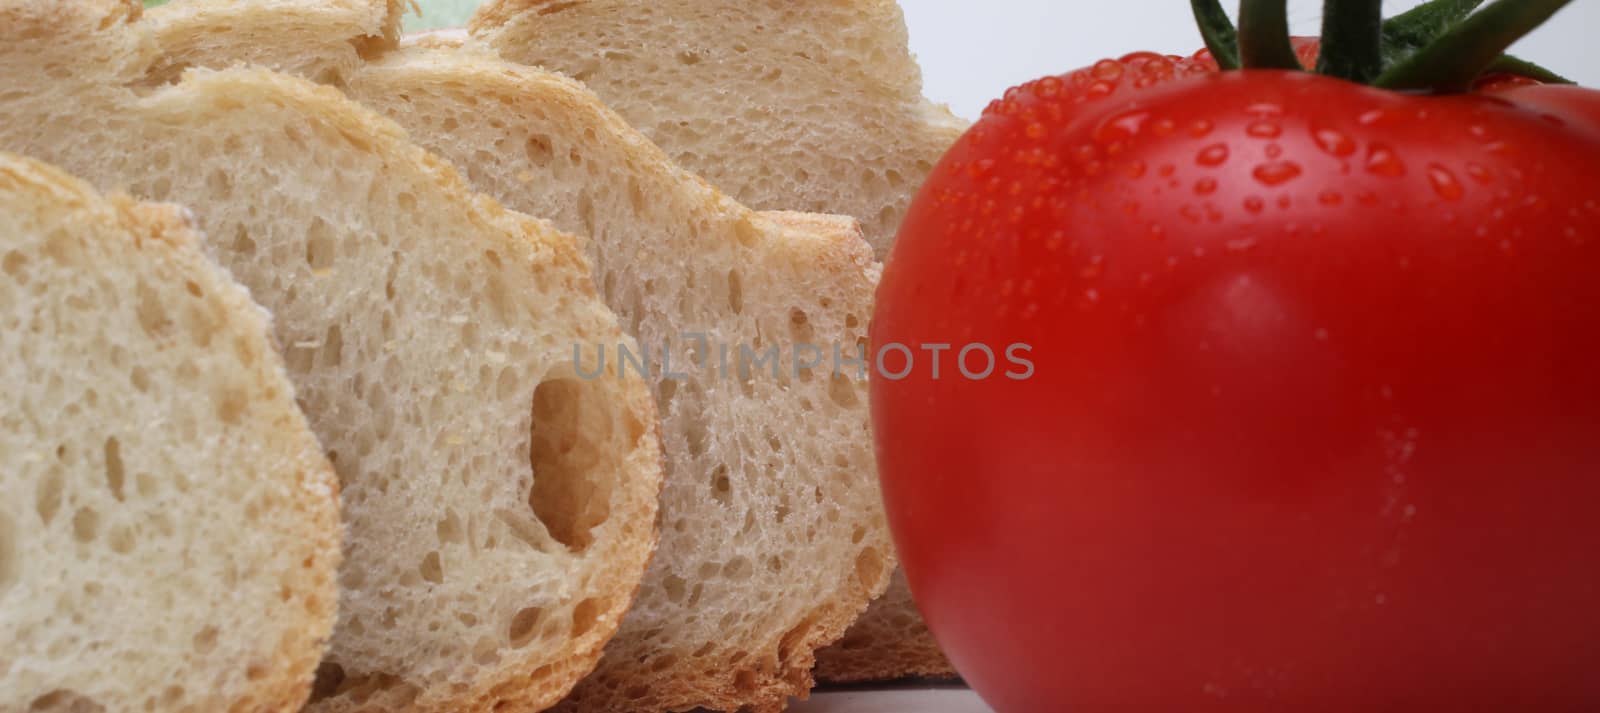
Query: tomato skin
[1315,416]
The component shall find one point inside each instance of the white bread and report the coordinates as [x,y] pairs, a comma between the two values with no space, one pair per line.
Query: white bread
[785,105]
[773,537]
[169,530]
[501,507]
[774,540]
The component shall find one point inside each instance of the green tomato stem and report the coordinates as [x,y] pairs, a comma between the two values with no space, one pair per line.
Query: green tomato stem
[1352,34]
[1523,68]
[1264,35]
[1461,54]
[1217,31]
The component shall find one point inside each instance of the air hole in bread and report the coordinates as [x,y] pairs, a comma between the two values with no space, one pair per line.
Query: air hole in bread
[64,701]
[449,528]
[842,391]
[556,7]
[572,436]
[486,652]
[585,615]
[114,469]
[10,560]
[432,569]
[539,150]
[721,485]
[205,640]
[242,242]
[675,587]
[735,292]
[152,312]
[15,266]
[86,524]
[737,569]
[869,567]
[47,499]
[523,625]
[320,245]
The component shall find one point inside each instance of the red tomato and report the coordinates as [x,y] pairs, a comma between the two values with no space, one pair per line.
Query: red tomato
[1314,417]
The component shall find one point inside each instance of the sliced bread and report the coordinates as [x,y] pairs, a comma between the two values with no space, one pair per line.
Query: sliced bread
[773,537]
[169,530]
[785,105]
[500,498]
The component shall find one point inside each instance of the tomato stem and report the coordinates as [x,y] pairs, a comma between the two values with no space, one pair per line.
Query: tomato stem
[1352,37]
[1523,68]
[1460,55]
[1217,30]
[1264,35]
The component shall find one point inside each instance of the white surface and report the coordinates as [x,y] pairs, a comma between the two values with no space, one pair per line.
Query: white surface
[972,51]
[943,700]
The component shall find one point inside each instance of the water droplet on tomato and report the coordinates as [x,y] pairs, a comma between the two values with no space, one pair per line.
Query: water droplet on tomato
[981,167]
[1274,150]
[1276,173]
[1254,204]
[1099,89]
[1200,128]
[1047,88]
[1205,186]
[1213,155]
[1382,161]
[1121,126]
[1444,182]
[1330,198]
[1163,127]
[1321,334]
[1107,69]
[1240,245]
[1264,109]
[1264,129]
[1157,232]
[1334,142]
[1478,172]
[1370,117]
[1035,130]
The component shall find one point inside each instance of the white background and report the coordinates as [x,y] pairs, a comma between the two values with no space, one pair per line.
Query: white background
[971,51]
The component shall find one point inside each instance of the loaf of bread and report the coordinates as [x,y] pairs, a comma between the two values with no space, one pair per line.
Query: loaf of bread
[784,105]
[169,531]
[774,540]
[500,493]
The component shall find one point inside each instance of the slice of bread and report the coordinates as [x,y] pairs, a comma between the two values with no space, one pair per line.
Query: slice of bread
[500,502]
[169,527]
[785,105]
[774,540]
[889,642]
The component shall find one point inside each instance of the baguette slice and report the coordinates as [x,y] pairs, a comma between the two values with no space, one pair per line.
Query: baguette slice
[812,106]
[774,534]
[500,502]
[774,540]
[169,527]
[785,105]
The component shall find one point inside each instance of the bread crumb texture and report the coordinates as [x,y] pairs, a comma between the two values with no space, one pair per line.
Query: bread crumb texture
[168,524]
[500,507]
